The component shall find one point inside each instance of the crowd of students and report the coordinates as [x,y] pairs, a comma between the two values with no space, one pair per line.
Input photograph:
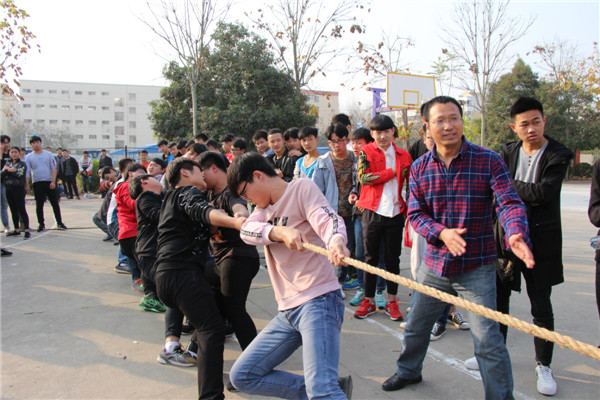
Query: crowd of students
[188,225]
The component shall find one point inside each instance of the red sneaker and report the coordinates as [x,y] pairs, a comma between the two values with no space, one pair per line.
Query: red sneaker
[366,308]
[392,310]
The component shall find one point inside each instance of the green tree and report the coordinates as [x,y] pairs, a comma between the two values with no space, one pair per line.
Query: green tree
[242,91]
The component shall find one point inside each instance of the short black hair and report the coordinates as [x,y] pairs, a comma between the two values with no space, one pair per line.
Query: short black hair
[35,138]
[382,122]
[133,168]
[160,162]
[426,107]
[3,138]
[291,133]
[209,158]
[342,119]
[124,163]
[273,131]
[340,130]
[103,150]
[162,142]
[240,143]
[173,175]
[135,185]
[172,144]
[525,104]
[308,131]
[362,133]
[85,152]
[228,137]
[105,171]
[65,150]
[242,169]
[181,144]
[212,143]
[201,136]
[197,148]
[259,134]
[144,151]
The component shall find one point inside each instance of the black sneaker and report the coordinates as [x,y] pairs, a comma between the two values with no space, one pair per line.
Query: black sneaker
[5,253]
[26,235]
[41,228]
[437,332]
[229,386]
[187,328]
[345,383]
[13,233]
[61,227]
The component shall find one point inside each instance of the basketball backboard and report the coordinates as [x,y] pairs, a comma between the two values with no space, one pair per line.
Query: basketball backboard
[409,91]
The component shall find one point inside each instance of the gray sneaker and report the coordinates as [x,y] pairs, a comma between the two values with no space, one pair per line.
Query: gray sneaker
[177,357]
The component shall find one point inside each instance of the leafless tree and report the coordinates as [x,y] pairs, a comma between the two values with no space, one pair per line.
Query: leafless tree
[186,27]
[303,33]
[480,33]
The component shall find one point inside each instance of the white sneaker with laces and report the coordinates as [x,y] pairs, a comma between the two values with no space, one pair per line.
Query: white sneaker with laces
[546,384]
[472,364]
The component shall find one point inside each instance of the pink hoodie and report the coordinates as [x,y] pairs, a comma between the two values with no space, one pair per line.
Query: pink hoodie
[297,276]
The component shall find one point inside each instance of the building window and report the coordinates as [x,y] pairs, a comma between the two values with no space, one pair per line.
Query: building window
[53,122]
[105,108]
[52,91]
[119,130]
[91,122]
[105,94]
[26,105]
[119,144]
[132,124]
[27,121]
[91,108]
[39,106]
[132,110]
[105,122]
[78,136]
[39,90]
[26,90]
[131,96]
[66,121]
[40,121]
[92,136]
[64,92]
[53,106]
[91,93]
[119,116]
[132,139]
[65,107]
[118,102]
[78,107]
[105,137]
[79,122]
[78,92]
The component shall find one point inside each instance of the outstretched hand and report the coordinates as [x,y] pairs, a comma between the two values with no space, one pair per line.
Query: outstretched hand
[521,250]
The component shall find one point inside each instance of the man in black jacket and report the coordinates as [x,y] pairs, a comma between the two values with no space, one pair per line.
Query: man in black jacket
[281,161]
[537,165]
[594,214]
[70,168]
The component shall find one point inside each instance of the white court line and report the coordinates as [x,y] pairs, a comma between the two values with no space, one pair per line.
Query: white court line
[452,362]
[32,238]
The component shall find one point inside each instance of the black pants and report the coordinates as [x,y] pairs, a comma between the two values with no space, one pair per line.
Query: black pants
[188,290]
[541,310]
[598,280]
[15,196]
[128,250]
[234,275]
[41,190]
[377,228]
[71,185]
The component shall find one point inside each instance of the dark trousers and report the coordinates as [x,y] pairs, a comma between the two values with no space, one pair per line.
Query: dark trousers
[598,280]
[71,185]
[377,229]
[541,310]
[349,270]
[188,290]
[128,249]
[41,190]
[15,198]
[147,268]
[100,224]
[234,276]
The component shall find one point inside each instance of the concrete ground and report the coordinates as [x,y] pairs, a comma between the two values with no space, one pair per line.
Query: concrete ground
[71,328]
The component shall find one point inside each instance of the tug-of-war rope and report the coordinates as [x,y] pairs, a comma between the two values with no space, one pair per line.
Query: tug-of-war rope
[543,333]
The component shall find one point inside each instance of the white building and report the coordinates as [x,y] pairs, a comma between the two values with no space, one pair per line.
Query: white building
[99,115]
[324,105]
[9,112]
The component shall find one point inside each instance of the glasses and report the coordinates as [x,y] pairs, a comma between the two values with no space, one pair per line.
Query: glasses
[243,191]
[334,142]
[234,150]
[443,122]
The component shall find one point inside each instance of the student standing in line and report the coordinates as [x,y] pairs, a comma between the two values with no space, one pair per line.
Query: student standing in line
[14,175]
[305,166]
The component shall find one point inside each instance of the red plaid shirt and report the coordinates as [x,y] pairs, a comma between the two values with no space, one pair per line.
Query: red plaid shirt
[461,196]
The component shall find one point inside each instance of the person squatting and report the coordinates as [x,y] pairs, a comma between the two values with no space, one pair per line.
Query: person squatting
[189,224]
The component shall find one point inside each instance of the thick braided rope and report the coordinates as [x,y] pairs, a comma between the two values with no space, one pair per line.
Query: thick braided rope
[561,340]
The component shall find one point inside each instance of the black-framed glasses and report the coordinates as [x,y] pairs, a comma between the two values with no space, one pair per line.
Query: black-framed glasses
[243,191]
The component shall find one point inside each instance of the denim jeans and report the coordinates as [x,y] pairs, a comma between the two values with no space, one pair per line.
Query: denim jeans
[86,182]
[478,286]
[360,256]
[3,206]
[315,326]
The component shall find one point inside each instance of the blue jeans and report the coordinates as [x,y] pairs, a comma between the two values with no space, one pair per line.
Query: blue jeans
[478,286]
[4,206]
[360,256]
[316,326]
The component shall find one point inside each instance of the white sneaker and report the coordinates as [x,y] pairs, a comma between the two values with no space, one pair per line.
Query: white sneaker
[546,384]
[343,294]
[472,364]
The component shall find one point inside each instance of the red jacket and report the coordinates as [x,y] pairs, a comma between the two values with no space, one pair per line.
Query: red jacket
[125,211]
[373,174]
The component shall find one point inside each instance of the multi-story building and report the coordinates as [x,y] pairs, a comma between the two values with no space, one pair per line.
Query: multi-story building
[325,105]
[98,115]
[9,111]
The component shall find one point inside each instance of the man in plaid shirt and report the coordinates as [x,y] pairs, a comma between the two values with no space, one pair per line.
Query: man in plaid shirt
[452,189]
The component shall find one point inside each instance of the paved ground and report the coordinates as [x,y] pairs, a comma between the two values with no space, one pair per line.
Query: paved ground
[71,329]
